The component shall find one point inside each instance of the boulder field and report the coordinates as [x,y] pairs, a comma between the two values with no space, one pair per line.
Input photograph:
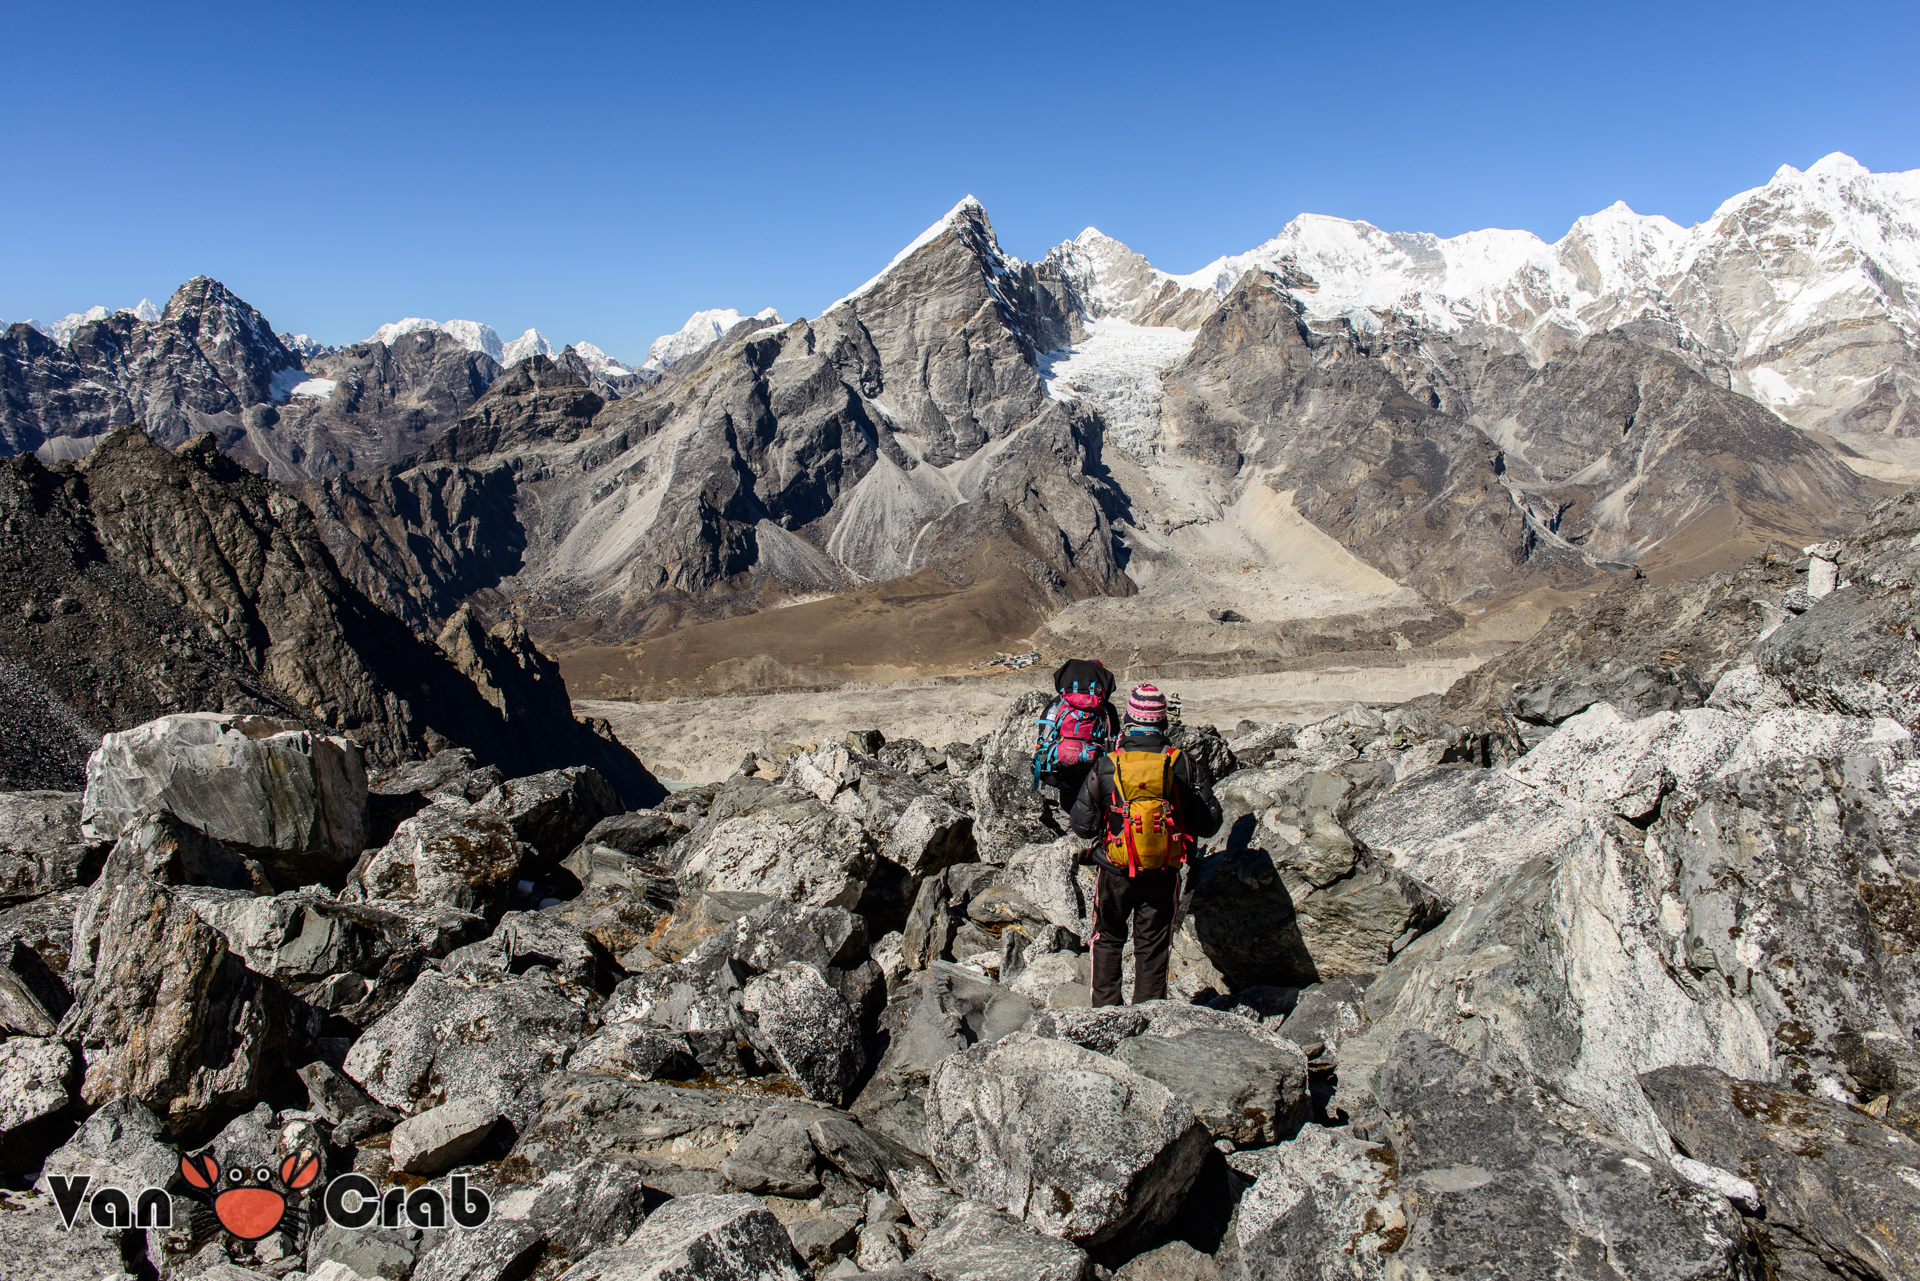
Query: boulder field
[1610,970]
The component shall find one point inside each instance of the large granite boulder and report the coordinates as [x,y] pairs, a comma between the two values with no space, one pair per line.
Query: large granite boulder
[37,1246]
[1761,926]
[124,1144]
[1074,1142]
[485,1039]
[810,1030]
[942,1011]
[1626,766]
[1008,811]
[580,1209]
[976,1243]
[168,1014]
[734,1022]
[165,848]
[1306,905]
[523,940]
[37,1080]
[676,1137]
[778,841]
[732,1236]
[42,849]
[1838,1191]
[295,800]
[1492,1170]
[451,854]
[1246,1082]
[1484,1174]
[554,811]
[305,936]
[1461,830]
[1326,1204]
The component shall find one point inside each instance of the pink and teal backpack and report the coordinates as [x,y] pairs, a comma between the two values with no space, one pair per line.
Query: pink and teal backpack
[1079,724]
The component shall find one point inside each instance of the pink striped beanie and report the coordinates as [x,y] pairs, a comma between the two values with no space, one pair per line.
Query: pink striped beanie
[1147,705]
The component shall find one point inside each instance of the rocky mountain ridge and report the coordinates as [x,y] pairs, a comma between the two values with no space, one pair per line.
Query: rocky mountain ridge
[1798,293]
[143,580]
[971,423]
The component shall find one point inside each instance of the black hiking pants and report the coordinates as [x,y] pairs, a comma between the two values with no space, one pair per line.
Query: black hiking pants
[1146,902]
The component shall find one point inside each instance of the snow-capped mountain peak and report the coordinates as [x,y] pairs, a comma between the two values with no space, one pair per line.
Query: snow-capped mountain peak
[702,330]
[530,343]
[968,205]
[470,334]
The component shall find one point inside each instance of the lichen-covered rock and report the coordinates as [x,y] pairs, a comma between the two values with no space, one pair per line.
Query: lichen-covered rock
[296,801]
[304,935]
[37,1247]
[1048,876]
[1761,927]
[523,940]
[1326,1204]
[731,1236]
[42,848]
[778,841]
[578,1210]
[1008,812]
[637,1052]
[809,1029]
[1077,1144]
[499,1250]
[165,848]
[929,836]
[1854,650]
[170,1015]
[1245,1082]
[1558,971]
[37,1077]
[122,1145]
[1796,889]
[1601,758]
[703,996]
[32,997]
[451,853]
[1839,1191]
[976,1243]
[1492,1169]
[554,811]
[650,1127]
[484,1040]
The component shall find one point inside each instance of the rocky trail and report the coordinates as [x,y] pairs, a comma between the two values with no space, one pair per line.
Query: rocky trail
[1601,964]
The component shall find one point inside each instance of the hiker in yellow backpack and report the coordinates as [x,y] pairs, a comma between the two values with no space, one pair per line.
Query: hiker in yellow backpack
[1148,802]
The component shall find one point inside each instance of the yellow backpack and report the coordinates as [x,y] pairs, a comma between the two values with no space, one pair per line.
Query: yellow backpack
[1151,836]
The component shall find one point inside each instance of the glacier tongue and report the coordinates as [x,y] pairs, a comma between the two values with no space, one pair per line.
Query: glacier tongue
[1117,368]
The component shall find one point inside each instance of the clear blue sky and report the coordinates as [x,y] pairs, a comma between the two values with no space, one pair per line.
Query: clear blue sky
[600,171]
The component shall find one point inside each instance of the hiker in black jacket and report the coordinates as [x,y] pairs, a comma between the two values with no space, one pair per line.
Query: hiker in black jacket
[1148,898]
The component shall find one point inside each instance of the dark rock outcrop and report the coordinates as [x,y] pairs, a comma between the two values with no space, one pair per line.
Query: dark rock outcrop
[145,581]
